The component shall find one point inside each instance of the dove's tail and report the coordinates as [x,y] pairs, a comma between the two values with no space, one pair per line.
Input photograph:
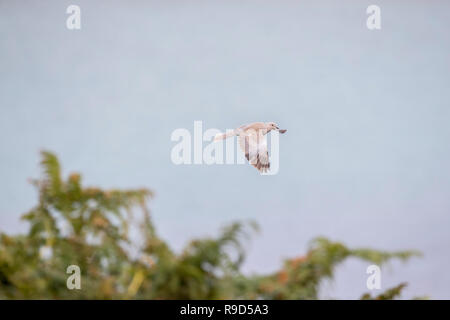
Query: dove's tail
[222,136]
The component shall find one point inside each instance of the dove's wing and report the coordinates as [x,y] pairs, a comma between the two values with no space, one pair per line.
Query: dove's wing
[254,144]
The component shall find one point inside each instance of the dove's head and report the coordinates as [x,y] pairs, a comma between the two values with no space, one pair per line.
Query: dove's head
[273,126]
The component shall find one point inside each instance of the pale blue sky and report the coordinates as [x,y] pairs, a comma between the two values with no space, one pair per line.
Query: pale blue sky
[365,160]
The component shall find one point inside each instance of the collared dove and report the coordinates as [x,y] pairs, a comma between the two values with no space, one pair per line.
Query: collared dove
[253,142]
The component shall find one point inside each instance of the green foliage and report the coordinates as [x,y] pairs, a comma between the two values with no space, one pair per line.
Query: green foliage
[90,227]
[389,294]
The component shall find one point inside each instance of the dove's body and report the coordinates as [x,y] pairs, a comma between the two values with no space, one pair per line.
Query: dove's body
[253,142]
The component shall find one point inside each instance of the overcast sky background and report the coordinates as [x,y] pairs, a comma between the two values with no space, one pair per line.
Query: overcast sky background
[365,160]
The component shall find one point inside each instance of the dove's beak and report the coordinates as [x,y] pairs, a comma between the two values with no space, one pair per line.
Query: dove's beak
[282,130]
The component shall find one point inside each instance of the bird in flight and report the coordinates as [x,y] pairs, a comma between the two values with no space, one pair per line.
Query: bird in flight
[253,142]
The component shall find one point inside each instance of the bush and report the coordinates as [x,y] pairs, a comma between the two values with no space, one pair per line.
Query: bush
[90,228]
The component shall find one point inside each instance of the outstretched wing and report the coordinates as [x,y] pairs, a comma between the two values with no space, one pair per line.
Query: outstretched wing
[254,144]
